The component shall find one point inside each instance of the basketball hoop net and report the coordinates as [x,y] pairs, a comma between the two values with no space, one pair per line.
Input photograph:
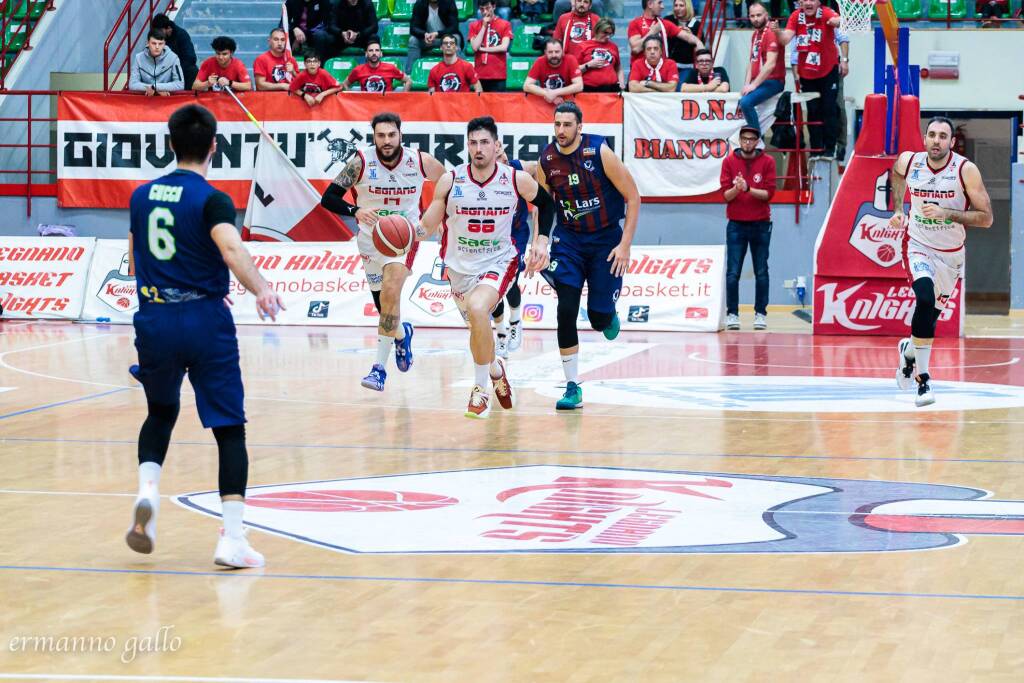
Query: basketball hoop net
[855,15]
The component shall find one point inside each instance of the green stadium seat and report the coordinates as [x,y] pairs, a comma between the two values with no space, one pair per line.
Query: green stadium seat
[17,9]
[341,67]
[421,72]
[466,8]
[394,39]
[14,37]
[937,9]
[402,11]
[907,9]
[383,8]
[518,68]
[522,39]
[400,64]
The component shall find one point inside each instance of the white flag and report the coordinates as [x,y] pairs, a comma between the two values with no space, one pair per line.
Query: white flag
[284,206]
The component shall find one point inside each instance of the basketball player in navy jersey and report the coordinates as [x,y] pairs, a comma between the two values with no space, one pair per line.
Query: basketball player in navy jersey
[182,242]
[593,191]
[510,333]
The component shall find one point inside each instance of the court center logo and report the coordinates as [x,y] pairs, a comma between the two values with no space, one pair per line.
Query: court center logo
[549,508]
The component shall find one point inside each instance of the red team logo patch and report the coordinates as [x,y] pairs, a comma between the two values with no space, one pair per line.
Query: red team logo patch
[350,501]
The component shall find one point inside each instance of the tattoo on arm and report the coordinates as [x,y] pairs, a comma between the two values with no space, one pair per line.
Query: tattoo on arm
[348,176]
[388,322]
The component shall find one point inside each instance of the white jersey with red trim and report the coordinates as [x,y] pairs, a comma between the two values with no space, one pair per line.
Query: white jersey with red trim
[943,187]
[390,190]
[478,220]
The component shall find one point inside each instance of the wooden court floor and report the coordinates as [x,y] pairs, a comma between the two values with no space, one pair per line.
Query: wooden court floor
[784,513]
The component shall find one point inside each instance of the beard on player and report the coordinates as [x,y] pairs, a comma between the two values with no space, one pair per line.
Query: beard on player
[388,152]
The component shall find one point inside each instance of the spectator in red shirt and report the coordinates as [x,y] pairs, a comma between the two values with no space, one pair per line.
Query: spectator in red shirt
[313,84]
[576,27]
[653,73]
[223,70]
[599,61]
[375,75]
[705,76]
[766,73]
[650,25]
[452,74]
[555,76]
[275,68]
[490,37]
[818,68]
[748,183]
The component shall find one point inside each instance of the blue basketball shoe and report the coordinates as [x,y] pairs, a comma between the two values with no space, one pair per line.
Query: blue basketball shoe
[403,349]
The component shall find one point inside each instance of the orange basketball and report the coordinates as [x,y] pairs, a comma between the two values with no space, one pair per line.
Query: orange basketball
[393,235]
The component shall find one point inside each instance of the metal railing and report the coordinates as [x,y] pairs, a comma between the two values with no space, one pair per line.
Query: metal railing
[10,26]
[30,188]
[133,24]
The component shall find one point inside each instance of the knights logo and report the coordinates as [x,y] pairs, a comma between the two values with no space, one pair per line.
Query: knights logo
[118,289]
[374,84]
[432,293]
[450,83]
[554,82]
[872,235]
[578,32]
[340,149]
[603,54]
[493,39]
[589,165]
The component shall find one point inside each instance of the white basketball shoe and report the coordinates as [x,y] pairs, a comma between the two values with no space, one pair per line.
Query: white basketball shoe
[236,552]
[905,369]
[141,536]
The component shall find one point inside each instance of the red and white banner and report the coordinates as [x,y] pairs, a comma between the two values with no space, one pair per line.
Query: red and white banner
[44,277]
[674,143]
[110,143]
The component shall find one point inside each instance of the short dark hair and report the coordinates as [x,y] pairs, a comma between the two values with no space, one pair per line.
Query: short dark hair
[387,117]
[153,33]
[278,28]
[161,21]
[193,129]
[309,54]
[481,3]
[450,35]
[700,52]
[552,41]
[644,3]
[942,119]
[751,3]
[221,43]
[570,108]
[482,123]
[374,40]
[656,39]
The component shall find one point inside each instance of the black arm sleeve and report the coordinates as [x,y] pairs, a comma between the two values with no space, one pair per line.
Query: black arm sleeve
[545,211]
[334,200]
[219,209]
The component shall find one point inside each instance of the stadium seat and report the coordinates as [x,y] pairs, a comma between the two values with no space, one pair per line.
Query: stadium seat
[907,9]
[421,72]
[394,39]
[937,9]
[14,36]
[518,68]
[383,8]
[400,64]
[402,11]
[522,39]
[466,9]
[341,67]
[17,9]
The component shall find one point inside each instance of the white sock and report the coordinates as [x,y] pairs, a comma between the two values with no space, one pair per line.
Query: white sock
[571,367]
[399,330]
[384,345]
[232,511]
[495,369]
[502,327]
[923,354]
[515,314]
[149,479]
[482,373]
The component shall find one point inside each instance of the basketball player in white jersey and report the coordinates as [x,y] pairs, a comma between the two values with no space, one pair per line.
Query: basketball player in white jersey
[946,195]
[474,205]
[386,178]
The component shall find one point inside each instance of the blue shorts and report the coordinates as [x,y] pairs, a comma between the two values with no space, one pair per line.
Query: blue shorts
[582,257]
[197,337]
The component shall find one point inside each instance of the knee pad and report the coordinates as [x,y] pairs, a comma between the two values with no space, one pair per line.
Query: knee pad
[234,460]
[600,321]
[568,310]
[376,300]
[155,435]
[499,310]
[515,294]
[922,324]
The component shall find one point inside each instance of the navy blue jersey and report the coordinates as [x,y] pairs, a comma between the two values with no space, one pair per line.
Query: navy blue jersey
[176,259]
[587,201]
[521,219]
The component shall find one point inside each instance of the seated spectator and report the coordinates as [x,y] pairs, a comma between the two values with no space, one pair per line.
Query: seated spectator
[681,49]
[573,28]
[599,61]
[705,76]
[530,10]
[223,70]
[303,17]
[431,19]
[490,37]
[766,71]
[452,74]
[562,6]
[180,43]
[275,68]
[653,73]
[350,23]
[375,75]
[650,25]
[314,84]
[989,10]
[554,76]
[156,70]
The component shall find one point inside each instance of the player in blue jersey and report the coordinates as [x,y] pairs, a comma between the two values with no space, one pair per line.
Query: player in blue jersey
[510,333]
[182,242]
[593,192]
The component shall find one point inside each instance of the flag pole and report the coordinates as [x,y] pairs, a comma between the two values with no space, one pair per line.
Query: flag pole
[251,117]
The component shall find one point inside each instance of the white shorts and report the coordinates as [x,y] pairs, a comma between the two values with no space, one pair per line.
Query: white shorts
[374,261]
[945,268]
[499,275]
